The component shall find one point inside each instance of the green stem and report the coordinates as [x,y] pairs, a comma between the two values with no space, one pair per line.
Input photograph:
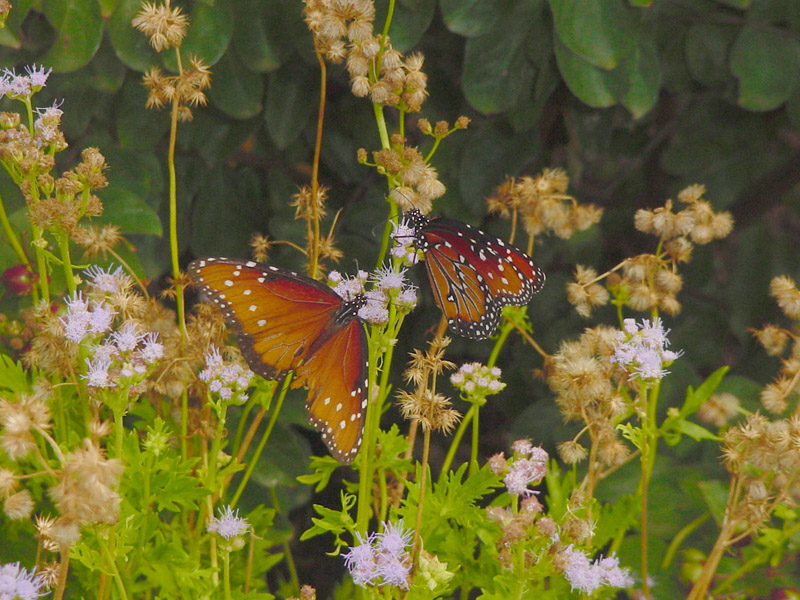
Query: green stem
[372,422]
[226,574]
[473,457]
[173,218]
[505,329]
[287,549]
[41,262]
[462,427]
[679,537]
[119,432]
[12,237]
[263,442]
[113,566]
[66,262]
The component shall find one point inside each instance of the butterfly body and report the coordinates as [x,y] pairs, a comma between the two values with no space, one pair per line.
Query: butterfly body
[473,274]
[286,321]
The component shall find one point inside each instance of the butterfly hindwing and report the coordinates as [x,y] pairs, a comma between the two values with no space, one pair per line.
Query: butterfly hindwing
[474,274]
[286,321]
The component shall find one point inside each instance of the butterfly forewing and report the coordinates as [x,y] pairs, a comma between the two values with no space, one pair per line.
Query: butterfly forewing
[286,321]
[474,274]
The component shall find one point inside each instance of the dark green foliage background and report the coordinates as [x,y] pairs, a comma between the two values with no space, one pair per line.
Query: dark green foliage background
[634,99]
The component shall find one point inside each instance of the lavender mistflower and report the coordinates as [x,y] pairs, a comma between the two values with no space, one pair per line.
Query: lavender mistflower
[642,350]
[229,524]
[38,76]
[17,583]
[375,309]
[529,467]
[361,561]
[97,373]
[477,380]
[229,380]
[381,559]
[587,576]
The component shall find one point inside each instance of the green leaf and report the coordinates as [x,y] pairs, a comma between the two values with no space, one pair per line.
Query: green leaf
[80,31]
[707,49]
[291,94]
[410,21]
[12,376]
[633,434]
[137,127]
[766,65]
[695,431]
[601,32]
[10,34]
[237,91]
[497,72]
[736,3]
[643,74]
[471,18]
[696,398]
[715,494]
[106,71]
[592,85]
[257,36]
[128,211]
[131,45]
[209,34]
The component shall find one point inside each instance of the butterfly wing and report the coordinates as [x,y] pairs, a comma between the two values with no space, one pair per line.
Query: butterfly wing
[474,274]
[336,378]
[284,320]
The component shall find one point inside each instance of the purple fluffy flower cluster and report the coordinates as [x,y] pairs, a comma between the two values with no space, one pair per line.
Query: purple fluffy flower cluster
[228,379]
[389,287]
[124,355]
[381,558]
[17,583]
[642,350]
[16,85]
[587,575]
[477,379]
[528,466]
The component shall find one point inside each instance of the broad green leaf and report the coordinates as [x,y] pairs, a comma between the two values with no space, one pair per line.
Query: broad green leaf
[138,127]
[707,49]
[131,45]
[410,21]
[497,72]
[766,65]
[80,31]
[10,34]
[695,431]
[736,3]
[470,18]
[106,71]
[291,100]
[225,214]
[210,32]
[237,91]
[592,85]
[129,212]
[643,73]
[696,398]
[602,32]
[715,494]
[258,37]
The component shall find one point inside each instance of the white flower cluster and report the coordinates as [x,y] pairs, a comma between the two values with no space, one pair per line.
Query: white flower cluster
[475,379]
[404,248]
[642,351]
[229,380]
[23,86]
[388,287]
[122,355]
[587,576]
[17,583]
